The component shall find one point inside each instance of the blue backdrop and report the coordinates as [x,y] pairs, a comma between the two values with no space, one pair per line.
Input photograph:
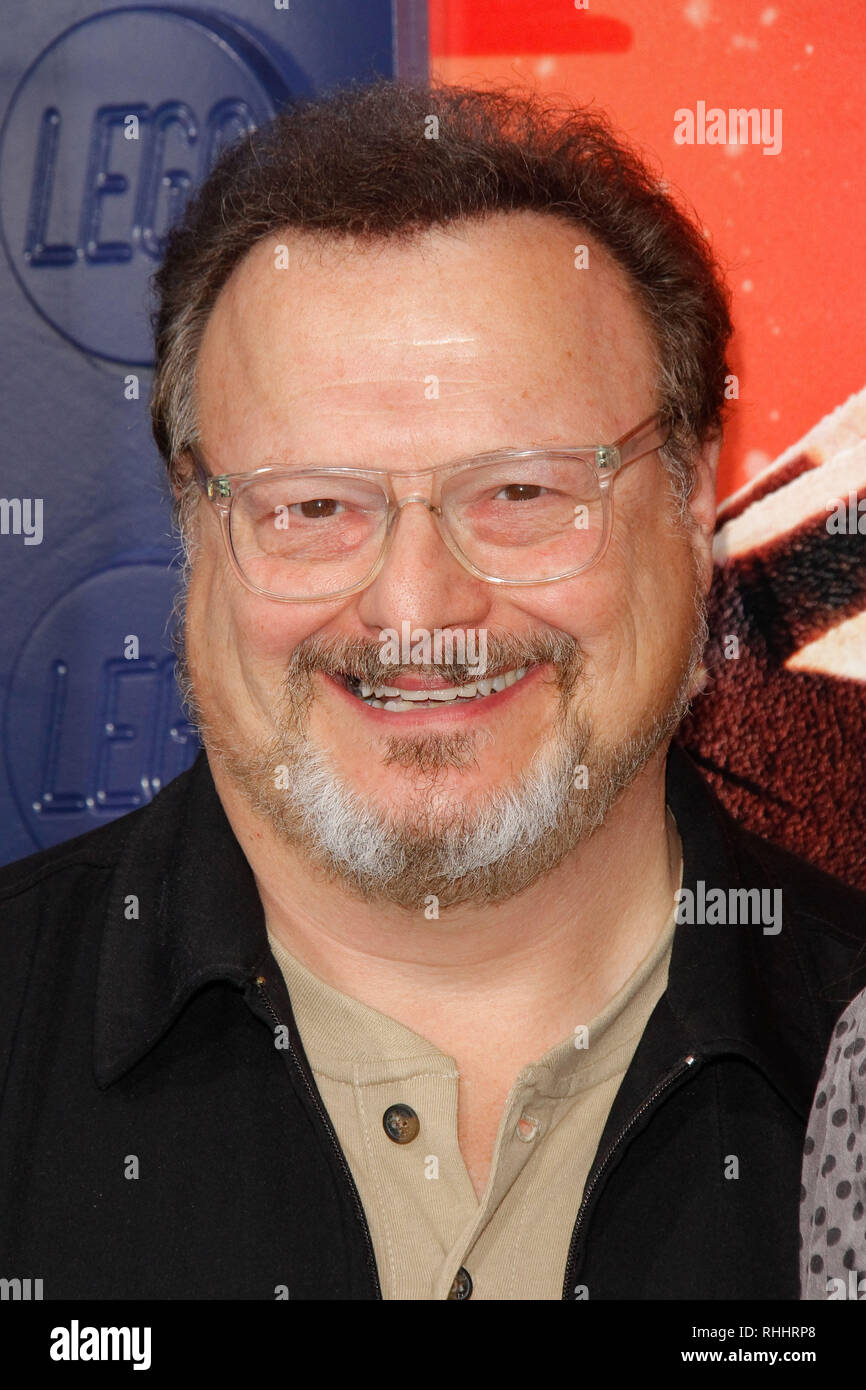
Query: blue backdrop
[111,118]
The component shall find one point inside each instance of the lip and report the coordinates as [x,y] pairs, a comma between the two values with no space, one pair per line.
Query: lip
[458,712]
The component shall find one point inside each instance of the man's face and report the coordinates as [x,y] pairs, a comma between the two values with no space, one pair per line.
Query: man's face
[479,338]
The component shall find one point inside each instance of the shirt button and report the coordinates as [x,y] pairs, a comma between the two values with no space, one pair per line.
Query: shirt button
[462,1286]
[401,1123]
[527,1127]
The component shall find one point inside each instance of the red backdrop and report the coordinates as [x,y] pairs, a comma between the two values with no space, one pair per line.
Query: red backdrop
[789,228]
[779,730]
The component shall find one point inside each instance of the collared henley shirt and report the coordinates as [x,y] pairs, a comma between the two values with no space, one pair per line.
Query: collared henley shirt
[426,1222]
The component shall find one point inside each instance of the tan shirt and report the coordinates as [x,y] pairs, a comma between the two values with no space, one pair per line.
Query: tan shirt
[424,1217]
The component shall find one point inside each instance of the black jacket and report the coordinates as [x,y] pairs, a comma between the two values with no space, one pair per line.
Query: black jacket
[146,1045]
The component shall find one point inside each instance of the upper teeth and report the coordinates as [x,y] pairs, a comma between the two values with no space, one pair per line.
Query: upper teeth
[390,697]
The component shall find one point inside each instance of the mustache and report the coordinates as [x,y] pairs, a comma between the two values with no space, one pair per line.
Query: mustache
[359,659]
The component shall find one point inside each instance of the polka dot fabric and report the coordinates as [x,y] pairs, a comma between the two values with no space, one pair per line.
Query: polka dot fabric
[833,1191]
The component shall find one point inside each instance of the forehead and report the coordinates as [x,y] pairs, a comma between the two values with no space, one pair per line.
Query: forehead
[481,326]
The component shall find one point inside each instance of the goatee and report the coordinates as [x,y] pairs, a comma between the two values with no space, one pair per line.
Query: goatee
[439,851]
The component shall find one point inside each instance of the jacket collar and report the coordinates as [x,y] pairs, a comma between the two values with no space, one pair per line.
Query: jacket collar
[735,988]
[200,919]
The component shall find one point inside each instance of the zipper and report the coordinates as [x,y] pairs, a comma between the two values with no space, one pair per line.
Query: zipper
[684,1065]
[329,1128]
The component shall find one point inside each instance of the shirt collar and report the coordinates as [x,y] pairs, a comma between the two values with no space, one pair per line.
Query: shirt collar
[352,1042]
[200,919]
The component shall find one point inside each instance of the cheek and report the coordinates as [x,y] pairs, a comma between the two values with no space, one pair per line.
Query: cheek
[638,585]
[632,614]
[642,653]
[596,608]
[238,634]
[266,632]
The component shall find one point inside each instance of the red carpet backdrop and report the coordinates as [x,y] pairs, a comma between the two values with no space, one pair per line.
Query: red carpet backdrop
[753,112]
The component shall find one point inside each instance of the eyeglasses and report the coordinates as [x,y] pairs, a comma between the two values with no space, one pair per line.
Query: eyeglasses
[516,516]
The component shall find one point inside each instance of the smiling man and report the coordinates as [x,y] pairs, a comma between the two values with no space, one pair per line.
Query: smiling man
[388,996]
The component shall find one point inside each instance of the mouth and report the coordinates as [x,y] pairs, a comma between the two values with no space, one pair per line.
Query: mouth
[415,698]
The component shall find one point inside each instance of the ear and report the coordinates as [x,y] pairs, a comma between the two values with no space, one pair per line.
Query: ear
[181,478]
[702,504]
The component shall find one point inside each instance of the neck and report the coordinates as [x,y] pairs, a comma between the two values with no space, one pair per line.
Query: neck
[550,958]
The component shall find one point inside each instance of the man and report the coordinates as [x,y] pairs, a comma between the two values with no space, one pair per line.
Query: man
[410,987]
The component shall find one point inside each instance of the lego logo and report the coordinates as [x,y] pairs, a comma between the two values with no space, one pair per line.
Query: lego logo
[93,724]
[106,136]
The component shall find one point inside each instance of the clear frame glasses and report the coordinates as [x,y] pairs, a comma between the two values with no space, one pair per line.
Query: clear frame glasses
[514,516]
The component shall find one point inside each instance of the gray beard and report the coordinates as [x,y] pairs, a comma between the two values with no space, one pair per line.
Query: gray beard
[437,850]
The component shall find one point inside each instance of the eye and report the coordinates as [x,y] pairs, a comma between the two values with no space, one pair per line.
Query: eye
[520,492]
[316,507]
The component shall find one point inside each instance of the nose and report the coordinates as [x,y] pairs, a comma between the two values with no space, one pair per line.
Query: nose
[420,580]
[419,497]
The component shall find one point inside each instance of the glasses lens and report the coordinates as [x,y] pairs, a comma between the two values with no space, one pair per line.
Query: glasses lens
[308,535]
[530,518]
